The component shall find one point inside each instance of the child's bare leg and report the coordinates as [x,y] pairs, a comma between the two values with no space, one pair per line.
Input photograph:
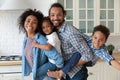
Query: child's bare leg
[56,74]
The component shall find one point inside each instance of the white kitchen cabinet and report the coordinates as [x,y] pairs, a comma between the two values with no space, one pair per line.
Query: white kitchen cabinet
[92,72]
[103,71]
[1,77]
[11,77]
[85,14]
[12,72]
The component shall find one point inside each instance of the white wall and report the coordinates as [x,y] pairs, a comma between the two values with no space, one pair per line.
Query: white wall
[10,39]
[42,5]
[115,40]
[1,2]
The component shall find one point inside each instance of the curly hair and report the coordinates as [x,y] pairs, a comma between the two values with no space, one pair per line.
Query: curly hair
[102,29]
[47,19]
[25,14]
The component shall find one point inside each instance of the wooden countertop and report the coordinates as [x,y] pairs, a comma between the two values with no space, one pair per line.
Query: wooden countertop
[115,55]
[10,63]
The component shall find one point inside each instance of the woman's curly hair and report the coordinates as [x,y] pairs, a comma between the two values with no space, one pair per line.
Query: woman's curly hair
[25,14]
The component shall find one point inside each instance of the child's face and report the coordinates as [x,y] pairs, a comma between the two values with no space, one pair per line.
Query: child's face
[98,39]
[31,24]
[47,27]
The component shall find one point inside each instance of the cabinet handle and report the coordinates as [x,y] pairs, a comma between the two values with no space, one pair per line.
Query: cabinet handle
[90,73]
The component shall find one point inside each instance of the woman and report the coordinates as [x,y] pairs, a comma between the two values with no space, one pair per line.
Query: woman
[34,60]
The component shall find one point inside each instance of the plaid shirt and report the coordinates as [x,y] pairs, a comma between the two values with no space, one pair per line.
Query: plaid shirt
[101,52]
[72,41]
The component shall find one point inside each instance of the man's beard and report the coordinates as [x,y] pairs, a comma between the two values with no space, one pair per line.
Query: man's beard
[58,25]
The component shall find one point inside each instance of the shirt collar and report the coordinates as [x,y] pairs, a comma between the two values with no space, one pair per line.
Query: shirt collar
[62,28]
[35,37]
[97,48]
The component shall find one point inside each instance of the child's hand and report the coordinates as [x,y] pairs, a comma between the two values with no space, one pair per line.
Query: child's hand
[34,43]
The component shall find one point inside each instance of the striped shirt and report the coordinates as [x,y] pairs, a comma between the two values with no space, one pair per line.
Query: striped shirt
[101,52]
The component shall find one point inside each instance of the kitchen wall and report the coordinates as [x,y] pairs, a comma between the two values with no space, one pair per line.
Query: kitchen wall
[11,39]
[115,40]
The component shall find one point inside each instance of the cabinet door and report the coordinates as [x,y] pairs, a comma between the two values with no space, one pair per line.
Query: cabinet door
[110,73]
[1,76]
[93,72]
[16,76]
[68,5]
[103,71]
[85,14]
[12,72]
[107,13]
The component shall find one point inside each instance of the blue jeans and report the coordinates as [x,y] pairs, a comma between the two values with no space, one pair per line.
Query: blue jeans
[42,70]
[80,75]
[49,78]
[71,62]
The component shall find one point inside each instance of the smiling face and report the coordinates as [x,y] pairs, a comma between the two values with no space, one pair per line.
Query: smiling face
[47,27]
[98,39]
[56,16]
[31,24]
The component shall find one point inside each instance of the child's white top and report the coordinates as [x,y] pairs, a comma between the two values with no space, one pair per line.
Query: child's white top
[55,42]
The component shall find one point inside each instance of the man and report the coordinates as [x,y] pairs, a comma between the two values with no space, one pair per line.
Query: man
[71,42]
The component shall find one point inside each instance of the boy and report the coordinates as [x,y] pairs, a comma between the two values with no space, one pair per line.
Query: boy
[97,44]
